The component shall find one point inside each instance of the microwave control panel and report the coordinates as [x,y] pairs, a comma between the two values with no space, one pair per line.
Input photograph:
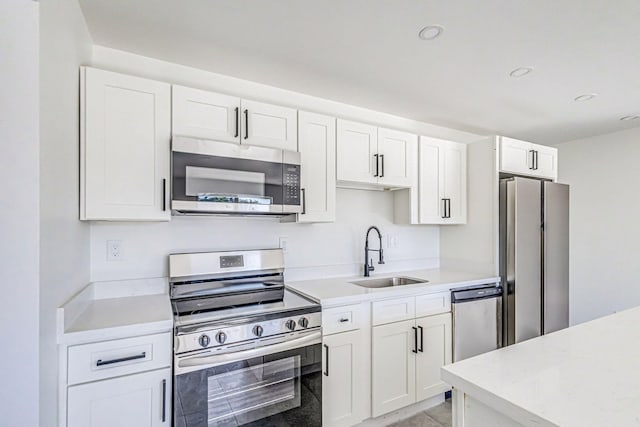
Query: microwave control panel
[291,184]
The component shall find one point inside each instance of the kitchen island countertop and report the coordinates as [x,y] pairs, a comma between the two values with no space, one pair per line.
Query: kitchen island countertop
[586,375]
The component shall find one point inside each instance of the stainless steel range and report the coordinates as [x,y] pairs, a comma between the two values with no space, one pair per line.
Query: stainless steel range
[247,351]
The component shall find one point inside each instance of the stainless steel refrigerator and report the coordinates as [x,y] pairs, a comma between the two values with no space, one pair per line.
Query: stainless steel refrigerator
[534,257]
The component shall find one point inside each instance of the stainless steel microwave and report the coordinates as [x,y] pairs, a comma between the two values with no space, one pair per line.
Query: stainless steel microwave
[213,177]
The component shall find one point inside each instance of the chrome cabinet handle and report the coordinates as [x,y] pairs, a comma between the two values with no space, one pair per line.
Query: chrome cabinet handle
[164,400]
[536,159]
[304,201]
[101,362]
[326,352]
[377,165]
[532,152]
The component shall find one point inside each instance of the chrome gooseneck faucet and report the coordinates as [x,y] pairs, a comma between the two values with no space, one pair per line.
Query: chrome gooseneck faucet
[368,266]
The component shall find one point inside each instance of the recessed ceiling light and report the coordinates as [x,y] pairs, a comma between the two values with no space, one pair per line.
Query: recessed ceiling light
[627,118]
[521,71]
[430,32]
[585,97]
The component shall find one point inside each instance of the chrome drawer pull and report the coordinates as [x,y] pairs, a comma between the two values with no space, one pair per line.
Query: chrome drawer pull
[101,362]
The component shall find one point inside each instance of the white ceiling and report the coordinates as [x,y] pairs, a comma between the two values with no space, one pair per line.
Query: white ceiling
[367,53]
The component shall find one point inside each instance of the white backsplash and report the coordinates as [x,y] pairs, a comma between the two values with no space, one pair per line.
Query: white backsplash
[313,250]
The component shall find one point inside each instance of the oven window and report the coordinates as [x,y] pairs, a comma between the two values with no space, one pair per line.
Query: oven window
[204,178]
[255,392]
[283,389]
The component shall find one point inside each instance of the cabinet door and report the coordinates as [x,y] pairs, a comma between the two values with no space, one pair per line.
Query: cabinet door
[393,367]
[317,146]
[454,181]
[129,401]
[398,152]
[434,351]
[356,145]
[547,162]
[269,125]
[202,114]
[125,136]
[430,197]
[515,156]
[344,402]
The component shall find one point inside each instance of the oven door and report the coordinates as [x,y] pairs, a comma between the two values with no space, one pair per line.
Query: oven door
[220,177]
[277,384]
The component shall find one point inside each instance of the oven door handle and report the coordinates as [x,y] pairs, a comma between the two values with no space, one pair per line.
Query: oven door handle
[194,363]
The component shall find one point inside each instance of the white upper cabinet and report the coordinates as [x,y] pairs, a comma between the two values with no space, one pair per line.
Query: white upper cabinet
[442,183]
[357,145]
[525,158]
[374,156]
[125,144]
[269,125]
[317,146]
[397,151]
[208,115]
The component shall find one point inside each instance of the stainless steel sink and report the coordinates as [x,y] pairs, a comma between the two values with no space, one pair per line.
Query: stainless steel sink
[387,282]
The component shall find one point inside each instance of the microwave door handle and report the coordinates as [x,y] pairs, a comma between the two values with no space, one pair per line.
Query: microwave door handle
[304,201]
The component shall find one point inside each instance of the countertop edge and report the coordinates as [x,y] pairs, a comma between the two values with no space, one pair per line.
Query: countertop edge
[498,403]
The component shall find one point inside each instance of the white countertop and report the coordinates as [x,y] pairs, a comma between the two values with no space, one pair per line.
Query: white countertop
[113,310]
[586,375]
[339,290]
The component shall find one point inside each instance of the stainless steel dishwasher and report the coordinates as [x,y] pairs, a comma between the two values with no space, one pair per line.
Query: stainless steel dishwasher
[477,321]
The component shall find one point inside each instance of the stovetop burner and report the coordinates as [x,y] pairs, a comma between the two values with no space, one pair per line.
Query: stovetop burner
[225,298]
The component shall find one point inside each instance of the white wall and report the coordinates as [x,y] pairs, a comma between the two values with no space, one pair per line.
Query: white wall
[19,221]
[64,246]
[314,250]
[604,175]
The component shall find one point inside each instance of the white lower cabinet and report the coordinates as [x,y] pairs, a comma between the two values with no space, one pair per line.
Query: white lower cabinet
[346,365]
[393,381]
[434,352]
[129,401]
[406,361]
[344,402]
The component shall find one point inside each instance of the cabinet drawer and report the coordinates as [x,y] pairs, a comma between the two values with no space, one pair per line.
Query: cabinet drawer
[393,310]
[342,319]
[97,361]
[429,304]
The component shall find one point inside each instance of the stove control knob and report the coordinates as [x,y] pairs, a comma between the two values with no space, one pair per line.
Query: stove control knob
[304,322]
[291,325]
[258,330]
[204,340]
[221,337]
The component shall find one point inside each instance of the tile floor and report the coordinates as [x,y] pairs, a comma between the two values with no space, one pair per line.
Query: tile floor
[438,416]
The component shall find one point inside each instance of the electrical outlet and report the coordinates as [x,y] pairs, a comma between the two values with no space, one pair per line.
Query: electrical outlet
[114,250]
[392,241]
[283,243]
